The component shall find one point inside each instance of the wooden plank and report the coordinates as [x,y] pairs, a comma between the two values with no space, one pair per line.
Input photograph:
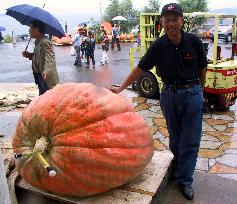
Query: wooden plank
[140,190]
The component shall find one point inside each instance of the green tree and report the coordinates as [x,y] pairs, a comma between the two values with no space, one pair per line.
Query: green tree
[112,10]
[132,16]
[152,7]
[125,9]
[190,6]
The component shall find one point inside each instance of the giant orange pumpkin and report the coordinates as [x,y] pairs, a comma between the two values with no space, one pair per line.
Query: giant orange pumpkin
[96,141]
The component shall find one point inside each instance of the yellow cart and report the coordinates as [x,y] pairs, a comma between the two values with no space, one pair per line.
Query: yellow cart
[221,82]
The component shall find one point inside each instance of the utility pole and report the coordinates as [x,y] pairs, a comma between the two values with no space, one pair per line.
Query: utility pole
[100,12]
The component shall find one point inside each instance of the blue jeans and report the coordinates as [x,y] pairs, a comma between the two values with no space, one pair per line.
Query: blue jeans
[43,87]
[182,110]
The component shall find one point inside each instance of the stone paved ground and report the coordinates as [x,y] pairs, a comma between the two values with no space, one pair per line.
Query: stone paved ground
[218,153]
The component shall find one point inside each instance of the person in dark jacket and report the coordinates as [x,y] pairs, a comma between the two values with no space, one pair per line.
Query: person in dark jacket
[90,48]
[181,62]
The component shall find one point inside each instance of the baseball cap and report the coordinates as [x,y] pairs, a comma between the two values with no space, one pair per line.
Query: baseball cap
[172,7]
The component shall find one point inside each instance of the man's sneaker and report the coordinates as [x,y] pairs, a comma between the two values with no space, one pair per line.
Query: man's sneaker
[101,63]
[75,63]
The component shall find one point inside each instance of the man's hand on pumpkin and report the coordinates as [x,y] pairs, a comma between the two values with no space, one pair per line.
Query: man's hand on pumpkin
[115,89]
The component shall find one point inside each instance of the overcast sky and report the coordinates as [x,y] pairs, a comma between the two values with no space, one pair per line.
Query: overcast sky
[92,7]
[77,11]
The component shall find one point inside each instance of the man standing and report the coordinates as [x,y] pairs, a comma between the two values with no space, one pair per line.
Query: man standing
[115,37]
[43,58]
[182,63]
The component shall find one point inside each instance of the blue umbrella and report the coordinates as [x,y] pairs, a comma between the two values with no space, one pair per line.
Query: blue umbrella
[25,14]
[2,29]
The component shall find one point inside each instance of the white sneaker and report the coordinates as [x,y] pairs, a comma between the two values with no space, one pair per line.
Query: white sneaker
[101,63]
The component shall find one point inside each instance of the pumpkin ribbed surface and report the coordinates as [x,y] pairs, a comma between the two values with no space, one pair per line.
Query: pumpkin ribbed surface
[96,141]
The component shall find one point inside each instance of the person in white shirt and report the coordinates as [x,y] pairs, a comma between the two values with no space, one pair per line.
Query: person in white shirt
[77,46]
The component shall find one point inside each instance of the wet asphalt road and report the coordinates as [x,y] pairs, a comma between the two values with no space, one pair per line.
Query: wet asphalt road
[16,69]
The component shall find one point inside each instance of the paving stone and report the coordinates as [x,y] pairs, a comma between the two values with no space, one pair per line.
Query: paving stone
[207,115]
[222,117]
[8,122]
[202,164]
[210,153]
[206,127]
[216,122]
[230,176]
[134,104]
[229,145]
[166,151]
[209,138]
[6,109]
[221,136]
[231,130]
[228,159]
[153,130]
[219,127]
[231,151]
[163,131]
[165,141]
[138,99]
[211,162]
[153,101]
[158,135]
[220,168]
[146,113]
[142,106]
[159,145]
[155,109]
[231,125]
[149,122]
[160,122]
[210,145]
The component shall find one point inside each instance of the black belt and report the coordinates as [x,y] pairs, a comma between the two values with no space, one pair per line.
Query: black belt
[180,86]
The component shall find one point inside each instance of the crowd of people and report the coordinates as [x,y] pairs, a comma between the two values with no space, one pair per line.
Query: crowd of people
[84,45]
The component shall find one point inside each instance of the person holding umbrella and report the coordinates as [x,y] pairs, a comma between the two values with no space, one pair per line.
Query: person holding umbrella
[43,58]
[115,37]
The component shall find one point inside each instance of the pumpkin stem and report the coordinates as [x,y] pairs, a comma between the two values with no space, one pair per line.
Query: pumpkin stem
[41,144]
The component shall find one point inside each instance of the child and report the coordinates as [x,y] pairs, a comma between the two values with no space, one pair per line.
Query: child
[105,48]
[77,46]
[90,48]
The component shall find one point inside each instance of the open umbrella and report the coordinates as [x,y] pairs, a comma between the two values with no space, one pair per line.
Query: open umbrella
[119,18]
[2,29]
[25,14]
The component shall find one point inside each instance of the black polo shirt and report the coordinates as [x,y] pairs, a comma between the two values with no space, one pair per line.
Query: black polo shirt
[175,63]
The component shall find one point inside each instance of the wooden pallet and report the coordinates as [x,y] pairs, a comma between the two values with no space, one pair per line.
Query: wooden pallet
[139,191]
